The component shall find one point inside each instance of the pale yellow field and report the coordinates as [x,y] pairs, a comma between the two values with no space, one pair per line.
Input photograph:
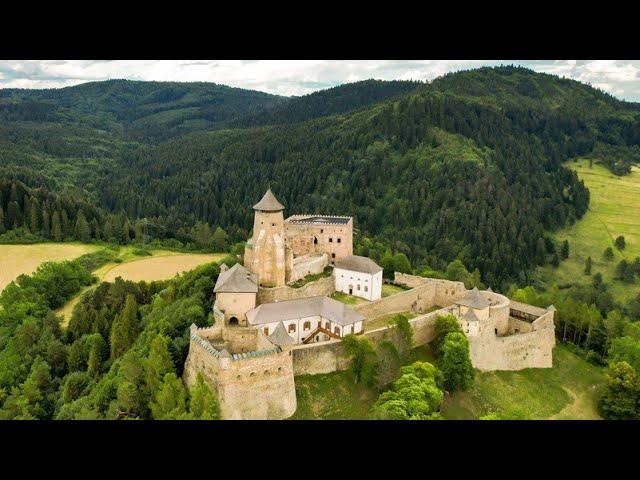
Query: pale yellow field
[159,268]
[18,259]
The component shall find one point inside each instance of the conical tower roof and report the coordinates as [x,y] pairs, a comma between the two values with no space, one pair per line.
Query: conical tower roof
[269,203]
[280,336]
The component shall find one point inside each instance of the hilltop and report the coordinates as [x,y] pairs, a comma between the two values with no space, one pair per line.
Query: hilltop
[469,166]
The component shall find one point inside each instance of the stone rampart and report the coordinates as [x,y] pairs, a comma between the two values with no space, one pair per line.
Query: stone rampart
[322,287]
[329,356]
[256,384]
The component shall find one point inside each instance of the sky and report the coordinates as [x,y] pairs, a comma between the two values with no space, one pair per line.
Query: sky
[621,78]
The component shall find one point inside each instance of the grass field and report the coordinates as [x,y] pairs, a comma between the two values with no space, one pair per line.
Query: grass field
[614,210]
[388,290]
[161,267]
[383,320]
[18,259]
[566,391]
[348,299]
[334,396]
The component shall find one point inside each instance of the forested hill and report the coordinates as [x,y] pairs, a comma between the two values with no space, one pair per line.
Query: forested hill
[341,99]
[136,110]
[468,166]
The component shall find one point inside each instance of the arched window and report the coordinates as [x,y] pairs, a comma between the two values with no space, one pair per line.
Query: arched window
[266,330]
[307,326]
[233,321]
[366,288]
[315,240]
[292,328]
[336,330]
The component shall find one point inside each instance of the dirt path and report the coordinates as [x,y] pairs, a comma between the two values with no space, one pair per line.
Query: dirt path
[580,407]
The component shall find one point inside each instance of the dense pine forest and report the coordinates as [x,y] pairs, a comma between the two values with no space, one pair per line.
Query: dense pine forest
[462,178]
[468,167]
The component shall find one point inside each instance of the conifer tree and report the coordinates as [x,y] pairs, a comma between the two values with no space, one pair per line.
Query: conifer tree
[171,400]
[126,237]
[97,353]
[158,363]
[608,253]
[587,266]
[2,228]
[13,217]
[95,229]
[33,217]
[203,404]
[56,227]
[46,223]
[138,231]
[564,251]
[66,228]
[82,231]
[219,240]
[124,329]
[108,229]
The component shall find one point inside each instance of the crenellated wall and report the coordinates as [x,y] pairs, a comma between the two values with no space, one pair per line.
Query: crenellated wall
[254,383]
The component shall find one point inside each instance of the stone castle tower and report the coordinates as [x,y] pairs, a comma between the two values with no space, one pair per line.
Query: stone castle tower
[265,253]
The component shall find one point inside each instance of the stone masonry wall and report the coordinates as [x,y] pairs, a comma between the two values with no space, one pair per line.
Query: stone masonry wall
[329,356]
[424,294]
[321,287]
[260,386]
[516,352]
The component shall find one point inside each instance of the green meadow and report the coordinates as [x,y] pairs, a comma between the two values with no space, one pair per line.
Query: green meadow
[614,210]
[567,391]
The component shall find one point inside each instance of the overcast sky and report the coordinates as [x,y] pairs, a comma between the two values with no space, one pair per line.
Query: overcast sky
[298,77]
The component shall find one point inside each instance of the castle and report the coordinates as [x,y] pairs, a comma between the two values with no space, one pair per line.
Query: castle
[267,329]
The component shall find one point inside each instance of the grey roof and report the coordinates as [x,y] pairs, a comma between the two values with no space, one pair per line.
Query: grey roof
[269,203]
[325,307]
[280,336]
[357,263]
[474,299]
[526,308]
[237,279]
[470,316]
[319,219]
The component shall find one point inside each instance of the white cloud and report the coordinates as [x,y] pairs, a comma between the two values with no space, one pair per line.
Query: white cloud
[297,77]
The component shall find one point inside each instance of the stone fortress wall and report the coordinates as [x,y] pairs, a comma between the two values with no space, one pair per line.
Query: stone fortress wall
[329,356]
[334,239]
[309,264]
[254,383]
[489,351]
[254,379]
[530,349]
[321,287]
